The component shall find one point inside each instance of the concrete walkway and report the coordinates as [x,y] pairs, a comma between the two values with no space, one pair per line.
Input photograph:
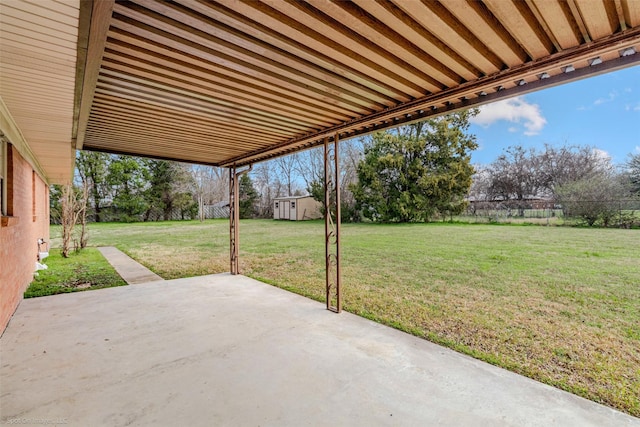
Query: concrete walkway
[131,271]
[227,350]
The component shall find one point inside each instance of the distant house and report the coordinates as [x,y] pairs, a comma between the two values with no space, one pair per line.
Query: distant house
[296,208]
[530,202]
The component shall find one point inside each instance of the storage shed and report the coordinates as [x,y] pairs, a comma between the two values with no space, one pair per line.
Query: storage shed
[296,208]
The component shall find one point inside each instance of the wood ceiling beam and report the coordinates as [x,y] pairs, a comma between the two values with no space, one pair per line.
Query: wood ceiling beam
[489,30]
[577,16]
[89,59]
[620,15]
[631,12]
[125,137]
[520,22]
[543,23]
[424,32]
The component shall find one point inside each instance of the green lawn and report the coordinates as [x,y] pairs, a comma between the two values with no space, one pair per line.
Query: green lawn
[560,305]
[81,271]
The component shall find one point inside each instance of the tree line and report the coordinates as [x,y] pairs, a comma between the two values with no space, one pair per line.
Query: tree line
[414,173]
[581,180]
[125,188]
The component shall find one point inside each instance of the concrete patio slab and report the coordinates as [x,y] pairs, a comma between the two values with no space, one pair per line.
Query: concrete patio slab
[227,350]
[131,271]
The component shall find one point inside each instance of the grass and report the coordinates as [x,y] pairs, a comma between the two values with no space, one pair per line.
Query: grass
[560,305]
[83,270]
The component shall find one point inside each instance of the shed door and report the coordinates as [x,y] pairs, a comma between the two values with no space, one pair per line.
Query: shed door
[293,216]
[284,210]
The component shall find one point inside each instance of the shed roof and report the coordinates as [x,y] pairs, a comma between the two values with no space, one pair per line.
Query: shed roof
[226,82]
[275,199]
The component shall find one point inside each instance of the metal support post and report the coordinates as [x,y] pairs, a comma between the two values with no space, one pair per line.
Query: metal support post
[234,217]
[233,220]
[332,224]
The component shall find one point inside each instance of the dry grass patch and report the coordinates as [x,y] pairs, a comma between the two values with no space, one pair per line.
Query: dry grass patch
[177,262]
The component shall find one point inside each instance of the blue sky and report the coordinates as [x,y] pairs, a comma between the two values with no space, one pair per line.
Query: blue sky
[601,111]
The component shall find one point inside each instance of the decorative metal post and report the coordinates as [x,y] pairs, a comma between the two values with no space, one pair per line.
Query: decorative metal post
[234,217]
[332,224]
[233,220]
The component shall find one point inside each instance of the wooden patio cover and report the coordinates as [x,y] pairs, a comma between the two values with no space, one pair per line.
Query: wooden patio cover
[226,82]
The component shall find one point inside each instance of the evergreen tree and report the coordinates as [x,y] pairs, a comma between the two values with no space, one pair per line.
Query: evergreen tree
[128,178]
[247,198]
[633,167]
[168,189]
[418,171]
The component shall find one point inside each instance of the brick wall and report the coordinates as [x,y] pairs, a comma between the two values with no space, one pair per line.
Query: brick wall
[28,220]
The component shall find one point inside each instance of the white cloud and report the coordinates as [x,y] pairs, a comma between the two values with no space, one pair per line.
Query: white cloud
[601,154]
[612,96]
[638,148]
[514,110]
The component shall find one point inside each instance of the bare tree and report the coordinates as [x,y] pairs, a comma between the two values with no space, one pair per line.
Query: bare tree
[73,205]
[521,173]
[516,175]
[283,176]
[481,184]
[286,167]
[82,205]
[311,169]
[571,163]
[210,185]
[310,165]
[268,185]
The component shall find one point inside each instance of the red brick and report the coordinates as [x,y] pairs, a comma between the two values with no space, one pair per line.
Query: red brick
[19,238]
